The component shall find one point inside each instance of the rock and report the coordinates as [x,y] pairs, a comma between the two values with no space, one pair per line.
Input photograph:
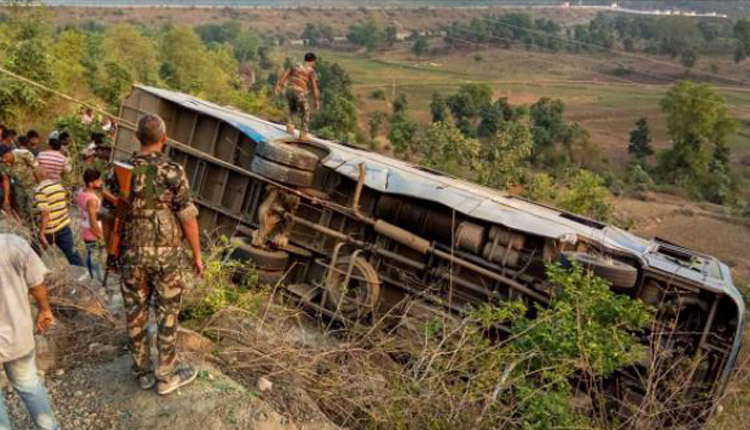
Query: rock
[264,384]
[59,372]
[189,340]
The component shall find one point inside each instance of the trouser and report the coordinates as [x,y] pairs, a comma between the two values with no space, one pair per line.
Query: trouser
[298,107]
[63,238]
[93,253]
[22,202]
[24,379]
[144,277]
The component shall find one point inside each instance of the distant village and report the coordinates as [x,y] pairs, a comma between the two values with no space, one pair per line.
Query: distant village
[614,6]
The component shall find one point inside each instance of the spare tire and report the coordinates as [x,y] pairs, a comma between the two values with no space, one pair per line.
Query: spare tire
[263,259]
[620,274]
[284,174]
[270,277]
[287,154]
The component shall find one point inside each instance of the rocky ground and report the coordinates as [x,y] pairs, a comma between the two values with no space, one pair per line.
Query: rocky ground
[86,369]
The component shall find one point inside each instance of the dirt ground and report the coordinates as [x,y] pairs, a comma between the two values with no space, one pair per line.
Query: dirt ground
[704,227]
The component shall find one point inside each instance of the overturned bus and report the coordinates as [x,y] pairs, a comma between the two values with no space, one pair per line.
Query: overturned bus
[355,234]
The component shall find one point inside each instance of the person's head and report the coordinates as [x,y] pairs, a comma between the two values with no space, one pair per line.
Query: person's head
[310,57]
[9,135]
[34,139]
[55,144]
[89,112]
[23,141]
[6,153]
[64,138]
[97,138]
[89,155]
[92,178]
[151,132]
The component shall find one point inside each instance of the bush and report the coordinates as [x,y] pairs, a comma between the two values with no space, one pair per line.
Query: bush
[378,94]
[217,291]
[586,195]
[541,188]
[460,379]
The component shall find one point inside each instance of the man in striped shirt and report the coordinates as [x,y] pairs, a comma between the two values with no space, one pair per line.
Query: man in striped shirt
[53,162]
[50,201]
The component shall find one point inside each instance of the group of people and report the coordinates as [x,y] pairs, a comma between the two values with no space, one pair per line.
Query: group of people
[152,263]
[35,193]
[151,259]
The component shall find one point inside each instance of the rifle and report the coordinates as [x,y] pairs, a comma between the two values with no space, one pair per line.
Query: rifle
[121,202]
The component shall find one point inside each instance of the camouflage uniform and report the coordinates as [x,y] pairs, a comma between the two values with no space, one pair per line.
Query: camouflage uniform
[152,258]
[296,94]
[22,171]
[22,184]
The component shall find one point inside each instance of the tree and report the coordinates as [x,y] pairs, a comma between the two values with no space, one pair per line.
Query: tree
[447,149]
[640,141]
[403,129]
[26,53]
[688,58]
[368,34]
[548,126]
[421,47]
[376,121]
[337,118]
[742,34]
[400,104]
[504,160]
[678,34]
[438,108]
[315,35]
[391,35]
[69,53]
[586,195]
[697,118]
[467,104]
[493,116]
[696,114]
[125,45]
[246,46]
[401,135]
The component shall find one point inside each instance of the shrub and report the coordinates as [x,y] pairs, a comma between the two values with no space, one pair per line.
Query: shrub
[460,379]
[378,94]
[216,290]
[586,195]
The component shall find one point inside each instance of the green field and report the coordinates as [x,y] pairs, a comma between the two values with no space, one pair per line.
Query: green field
[605,104]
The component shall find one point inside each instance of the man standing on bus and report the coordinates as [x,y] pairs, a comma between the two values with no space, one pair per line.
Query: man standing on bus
[297,79]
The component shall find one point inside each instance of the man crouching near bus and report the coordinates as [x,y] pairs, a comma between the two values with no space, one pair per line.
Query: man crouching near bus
[161,213]
[22,273]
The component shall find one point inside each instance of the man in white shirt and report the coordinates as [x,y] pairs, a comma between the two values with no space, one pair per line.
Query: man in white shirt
[22,273]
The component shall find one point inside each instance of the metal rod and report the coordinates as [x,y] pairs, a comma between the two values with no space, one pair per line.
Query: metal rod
[436,252]
[482,271]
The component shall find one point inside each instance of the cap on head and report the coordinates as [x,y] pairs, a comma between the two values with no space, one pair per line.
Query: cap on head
[310,57]
[4,149]
[151,130]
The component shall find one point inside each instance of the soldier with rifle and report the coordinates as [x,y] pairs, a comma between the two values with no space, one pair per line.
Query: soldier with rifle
[155,213]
